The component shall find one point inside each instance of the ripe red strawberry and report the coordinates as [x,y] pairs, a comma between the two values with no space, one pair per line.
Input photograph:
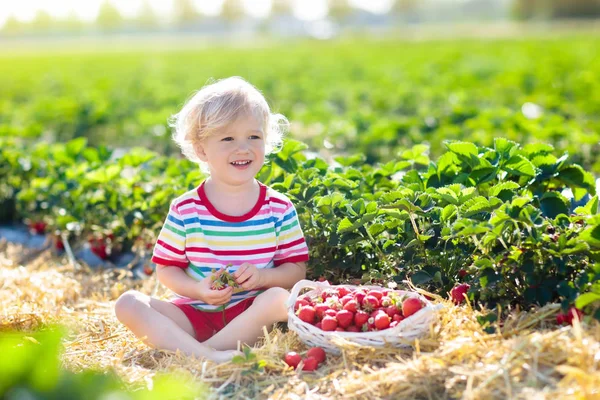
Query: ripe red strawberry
[346,299]
[570,315]
[58,244]
[317,353]
[352,328]
[342,291]
[310,364]
[351,306]
[306,298]
[100,251]
[330,313]
[340,329]
[397,318]
[370,303]
[462,273]
[457,293]
[320,310]
[391,311]
[329,323]
[148,270]
[382,321]
[411,306]
[319,325]
[39,227]
[360,318]
[561,318]
[292,359]
[387,292]
[359,296]
[344,318]
[300,303]
[307,314]
[375,293]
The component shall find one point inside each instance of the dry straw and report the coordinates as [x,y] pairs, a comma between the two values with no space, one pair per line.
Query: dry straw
[528,358]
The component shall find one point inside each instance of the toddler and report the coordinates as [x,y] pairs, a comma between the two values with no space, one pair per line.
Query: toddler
[229,221]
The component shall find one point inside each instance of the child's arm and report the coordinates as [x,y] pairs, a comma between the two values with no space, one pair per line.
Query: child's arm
[286,275]
[178,281]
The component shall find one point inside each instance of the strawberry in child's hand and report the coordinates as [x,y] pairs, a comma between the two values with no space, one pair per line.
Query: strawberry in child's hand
[222,279]
[292,359]
[317,353]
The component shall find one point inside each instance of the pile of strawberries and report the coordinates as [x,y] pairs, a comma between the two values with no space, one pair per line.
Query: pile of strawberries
[356,310]
[315,356]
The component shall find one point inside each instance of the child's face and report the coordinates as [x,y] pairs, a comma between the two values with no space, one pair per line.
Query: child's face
[236,153]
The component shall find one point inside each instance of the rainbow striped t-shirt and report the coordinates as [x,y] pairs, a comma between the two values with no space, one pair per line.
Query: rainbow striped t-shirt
[200,239]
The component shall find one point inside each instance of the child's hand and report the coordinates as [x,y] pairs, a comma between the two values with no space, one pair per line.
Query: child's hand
[213,297]
[248,276]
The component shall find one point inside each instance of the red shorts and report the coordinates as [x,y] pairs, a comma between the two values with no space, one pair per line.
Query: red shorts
[205,323]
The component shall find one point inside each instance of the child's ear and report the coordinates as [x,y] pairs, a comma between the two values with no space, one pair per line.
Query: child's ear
[200,152]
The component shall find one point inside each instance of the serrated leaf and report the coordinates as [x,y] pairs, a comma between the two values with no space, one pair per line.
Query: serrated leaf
[519,165]
[590,208]
[344,225]
[574,175]
[448,195]
[448,212]
[376,229]
[506,185]
[553,204]
[537,148]
[466,149]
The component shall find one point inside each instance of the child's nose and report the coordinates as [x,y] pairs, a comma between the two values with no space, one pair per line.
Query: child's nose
[243,147]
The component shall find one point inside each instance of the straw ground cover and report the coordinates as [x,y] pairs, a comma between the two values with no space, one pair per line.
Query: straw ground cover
[528,357]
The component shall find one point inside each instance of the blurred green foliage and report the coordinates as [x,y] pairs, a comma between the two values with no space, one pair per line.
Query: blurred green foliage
[343,97]
[30,368]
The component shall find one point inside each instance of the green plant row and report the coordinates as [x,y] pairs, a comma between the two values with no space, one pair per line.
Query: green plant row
[343,96]
[520,224]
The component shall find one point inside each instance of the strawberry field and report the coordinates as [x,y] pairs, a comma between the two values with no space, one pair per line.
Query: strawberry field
[466,170]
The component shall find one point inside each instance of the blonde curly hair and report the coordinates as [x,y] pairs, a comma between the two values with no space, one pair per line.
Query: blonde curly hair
[217,105]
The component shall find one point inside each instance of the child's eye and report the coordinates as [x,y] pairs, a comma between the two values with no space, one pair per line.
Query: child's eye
[227,139]
[255,137]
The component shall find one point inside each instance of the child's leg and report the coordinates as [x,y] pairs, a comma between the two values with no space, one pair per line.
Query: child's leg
[163,325]
[268,307]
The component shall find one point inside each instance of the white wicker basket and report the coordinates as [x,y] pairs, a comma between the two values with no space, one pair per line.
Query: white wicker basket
[408,329]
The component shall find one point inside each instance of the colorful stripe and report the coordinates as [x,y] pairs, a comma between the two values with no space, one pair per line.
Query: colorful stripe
[194,239]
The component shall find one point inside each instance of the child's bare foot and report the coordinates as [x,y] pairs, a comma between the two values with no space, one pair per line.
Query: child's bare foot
[224,356]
